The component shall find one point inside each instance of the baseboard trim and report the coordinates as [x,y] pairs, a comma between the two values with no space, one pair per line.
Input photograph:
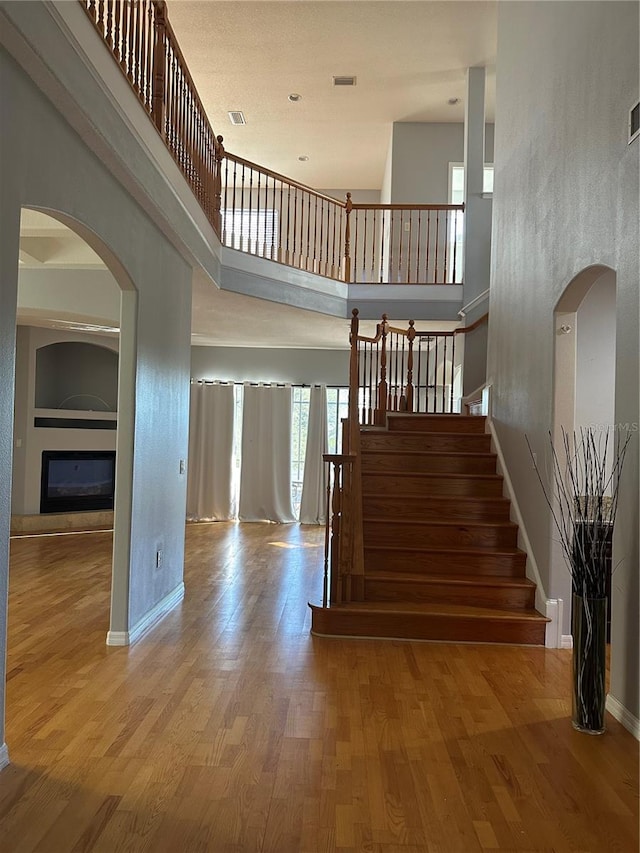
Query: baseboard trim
[553,611]
[622,715]
[566,641]
[4,756]
[127,638]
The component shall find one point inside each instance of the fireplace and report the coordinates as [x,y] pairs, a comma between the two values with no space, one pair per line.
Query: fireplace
[77,480]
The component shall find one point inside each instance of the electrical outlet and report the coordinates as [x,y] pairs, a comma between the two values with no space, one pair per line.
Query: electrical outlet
[407,226]
[159,558]
[183,466]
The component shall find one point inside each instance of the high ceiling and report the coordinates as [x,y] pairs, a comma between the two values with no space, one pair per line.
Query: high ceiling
[409,59]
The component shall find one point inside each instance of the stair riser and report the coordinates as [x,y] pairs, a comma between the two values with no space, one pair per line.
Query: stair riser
[442,593]
[443,563]
[375,461]
[415,535]
[461,443]
[436,423]
[434,509]
[420,627]
[434,485]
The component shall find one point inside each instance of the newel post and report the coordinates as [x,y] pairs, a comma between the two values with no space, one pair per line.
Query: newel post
[354,377]
[157,101]
[347,240]
[217,186]
[381,409]
[411,334]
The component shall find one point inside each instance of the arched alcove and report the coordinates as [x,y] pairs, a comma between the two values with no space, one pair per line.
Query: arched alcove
[584,377]
[76,375]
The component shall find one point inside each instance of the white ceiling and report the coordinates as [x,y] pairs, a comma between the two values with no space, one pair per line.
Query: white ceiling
[409,59]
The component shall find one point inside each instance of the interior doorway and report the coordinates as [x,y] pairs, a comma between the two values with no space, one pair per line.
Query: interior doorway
[75,312]
[584,379]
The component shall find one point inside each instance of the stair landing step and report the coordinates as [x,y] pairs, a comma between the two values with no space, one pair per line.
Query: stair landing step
[426,621]
[439,609]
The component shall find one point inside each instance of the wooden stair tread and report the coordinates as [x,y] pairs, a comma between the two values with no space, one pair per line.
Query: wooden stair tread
[445,522]
[410,432]
[380,451]
[454,580]
[466,611]
[459,475]
[446,549]
[443,499]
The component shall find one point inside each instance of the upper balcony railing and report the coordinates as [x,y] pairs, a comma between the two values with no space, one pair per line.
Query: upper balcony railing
[259,211]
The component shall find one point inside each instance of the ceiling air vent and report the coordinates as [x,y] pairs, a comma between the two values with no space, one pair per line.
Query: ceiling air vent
[344,81]
[236,117]
[634,122]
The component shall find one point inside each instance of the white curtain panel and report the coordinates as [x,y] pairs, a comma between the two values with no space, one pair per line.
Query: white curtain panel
[265,474]
[209,496]
[314,483]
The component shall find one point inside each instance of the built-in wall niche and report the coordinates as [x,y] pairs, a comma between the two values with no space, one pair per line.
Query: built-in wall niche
[78,376]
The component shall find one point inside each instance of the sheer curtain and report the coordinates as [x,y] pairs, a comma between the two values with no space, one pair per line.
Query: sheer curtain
[314,484]
[209,495]
[265,474]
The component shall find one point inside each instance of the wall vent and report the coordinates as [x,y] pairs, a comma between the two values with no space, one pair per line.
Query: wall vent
[344,81]
[236,117]
[634,122]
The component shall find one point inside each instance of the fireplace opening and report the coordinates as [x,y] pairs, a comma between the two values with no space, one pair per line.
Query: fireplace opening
[77,480]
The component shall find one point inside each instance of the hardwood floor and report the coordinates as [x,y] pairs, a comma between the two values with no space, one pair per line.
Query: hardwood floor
[229,728]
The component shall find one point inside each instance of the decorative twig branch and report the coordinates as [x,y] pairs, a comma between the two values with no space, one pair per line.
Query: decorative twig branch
[583,500]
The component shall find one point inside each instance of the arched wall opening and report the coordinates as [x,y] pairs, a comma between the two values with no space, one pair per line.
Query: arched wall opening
[584,380]
[69,400]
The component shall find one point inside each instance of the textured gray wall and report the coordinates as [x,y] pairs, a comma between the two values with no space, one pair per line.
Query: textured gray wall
[565,198]
[45,164]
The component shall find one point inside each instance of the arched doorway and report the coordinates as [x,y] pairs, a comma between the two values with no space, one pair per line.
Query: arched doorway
[584,378]
[73,291]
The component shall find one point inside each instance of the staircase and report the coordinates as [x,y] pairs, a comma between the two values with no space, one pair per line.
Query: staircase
[440,552]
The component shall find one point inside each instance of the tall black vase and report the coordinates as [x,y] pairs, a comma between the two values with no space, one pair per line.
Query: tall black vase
[589,629]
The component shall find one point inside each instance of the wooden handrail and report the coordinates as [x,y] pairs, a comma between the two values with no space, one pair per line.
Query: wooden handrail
[459,207]
[285,180]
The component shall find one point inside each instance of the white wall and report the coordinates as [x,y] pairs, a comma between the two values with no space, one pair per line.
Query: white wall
[30,441]
[596,355]
[565,198]
[45,164]
[298,366]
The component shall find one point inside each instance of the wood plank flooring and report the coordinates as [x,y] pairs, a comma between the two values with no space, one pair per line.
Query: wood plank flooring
[229,728]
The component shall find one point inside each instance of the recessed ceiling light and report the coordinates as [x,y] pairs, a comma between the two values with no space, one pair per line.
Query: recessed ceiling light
[294,97]
[303,158]
[453,101]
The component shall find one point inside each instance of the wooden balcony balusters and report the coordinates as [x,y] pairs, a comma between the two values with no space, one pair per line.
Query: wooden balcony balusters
[254,209]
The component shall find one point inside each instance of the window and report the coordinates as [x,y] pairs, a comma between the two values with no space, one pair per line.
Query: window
[299,427]
[253,231]
[456,181]
[337,409]
[456,196]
